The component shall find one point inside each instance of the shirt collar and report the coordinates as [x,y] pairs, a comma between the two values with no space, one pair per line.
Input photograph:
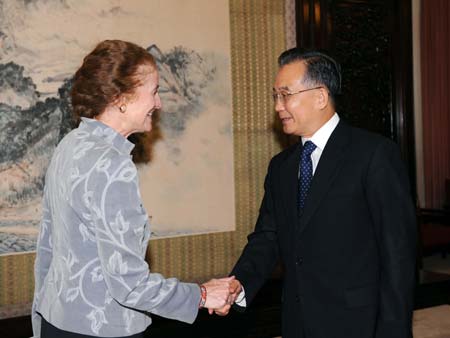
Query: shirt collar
[107,134]
[321,136]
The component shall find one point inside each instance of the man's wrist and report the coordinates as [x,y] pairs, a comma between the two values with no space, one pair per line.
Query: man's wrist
[240,297]
[240,300]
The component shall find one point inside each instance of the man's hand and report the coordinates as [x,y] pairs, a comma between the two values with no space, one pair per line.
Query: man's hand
[235,289]
[218,292]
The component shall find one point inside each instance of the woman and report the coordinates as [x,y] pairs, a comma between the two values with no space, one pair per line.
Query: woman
[91,278]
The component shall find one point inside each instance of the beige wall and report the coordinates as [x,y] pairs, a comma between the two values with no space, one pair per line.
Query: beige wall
[257,32]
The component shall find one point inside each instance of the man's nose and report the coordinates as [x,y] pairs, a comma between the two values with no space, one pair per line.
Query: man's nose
[279,104]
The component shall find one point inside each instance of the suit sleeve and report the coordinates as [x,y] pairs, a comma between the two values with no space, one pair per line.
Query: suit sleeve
[261,253]
[393,213]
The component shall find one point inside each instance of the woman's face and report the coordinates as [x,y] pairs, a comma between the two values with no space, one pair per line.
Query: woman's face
[144,101]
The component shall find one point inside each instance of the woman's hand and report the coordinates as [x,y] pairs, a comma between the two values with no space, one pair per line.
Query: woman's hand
[218,293]
[235,290]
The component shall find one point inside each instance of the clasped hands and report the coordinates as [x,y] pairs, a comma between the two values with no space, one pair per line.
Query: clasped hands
[221,294]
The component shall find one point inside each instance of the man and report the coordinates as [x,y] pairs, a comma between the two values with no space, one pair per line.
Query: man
[337,211]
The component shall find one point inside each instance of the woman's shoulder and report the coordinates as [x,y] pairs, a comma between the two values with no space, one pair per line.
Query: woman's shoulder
[88,151]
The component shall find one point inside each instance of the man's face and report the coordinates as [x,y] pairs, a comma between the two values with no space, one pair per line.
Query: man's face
[298,113]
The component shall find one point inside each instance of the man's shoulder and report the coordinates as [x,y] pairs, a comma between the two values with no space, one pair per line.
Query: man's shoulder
[284,154]
[367,138]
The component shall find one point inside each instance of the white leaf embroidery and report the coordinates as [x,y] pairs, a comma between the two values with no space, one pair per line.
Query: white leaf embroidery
[127,174]
[139,231]
[97,132]
[81,134]
[72,294]
[85,233]
[74,174]
[107,133]
[81,149]
[120,225]
[115,264]
[103,164]
[97,275]
[43,229]
[110,134]
[108,298]
[97,211]
[87,216]
[71,260]
[97,318]
[87,198]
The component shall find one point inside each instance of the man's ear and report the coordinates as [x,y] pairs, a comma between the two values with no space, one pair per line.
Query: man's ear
[322,98]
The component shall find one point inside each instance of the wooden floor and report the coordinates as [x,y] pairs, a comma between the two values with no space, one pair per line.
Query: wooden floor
[262,320]
[432,322]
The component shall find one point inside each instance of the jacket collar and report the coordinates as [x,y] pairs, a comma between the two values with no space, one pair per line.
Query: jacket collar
[107,134]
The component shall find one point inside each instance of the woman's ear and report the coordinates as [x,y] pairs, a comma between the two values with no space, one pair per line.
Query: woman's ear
[121,104]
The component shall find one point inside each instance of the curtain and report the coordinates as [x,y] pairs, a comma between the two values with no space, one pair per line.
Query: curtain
[435,69]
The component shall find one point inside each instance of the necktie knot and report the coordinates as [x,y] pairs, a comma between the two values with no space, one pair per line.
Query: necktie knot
[306,171]
[308,148]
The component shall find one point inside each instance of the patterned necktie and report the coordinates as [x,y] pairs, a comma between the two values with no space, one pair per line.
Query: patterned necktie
[306,172]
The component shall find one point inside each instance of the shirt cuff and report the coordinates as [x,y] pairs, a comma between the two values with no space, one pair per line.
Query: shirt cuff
[240,300]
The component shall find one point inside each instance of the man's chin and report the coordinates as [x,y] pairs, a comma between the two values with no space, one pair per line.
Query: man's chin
[288,130]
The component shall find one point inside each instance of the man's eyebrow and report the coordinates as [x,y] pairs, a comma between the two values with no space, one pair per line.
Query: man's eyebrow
[282,88]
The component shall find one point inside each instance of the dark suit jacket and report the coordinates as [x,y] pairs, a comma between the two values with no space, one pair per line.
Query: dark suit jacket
[349,258]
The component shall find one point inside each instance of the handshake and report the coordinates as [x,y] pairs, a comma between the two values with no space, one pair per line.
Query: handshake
[221,294]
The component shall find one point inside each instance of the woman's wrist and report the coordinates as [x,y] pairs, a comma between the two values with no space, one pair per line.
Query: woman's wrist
[203,296]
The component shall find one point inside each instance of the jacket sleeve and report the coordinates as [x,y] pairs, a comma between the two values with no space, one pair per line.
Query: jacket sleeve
[393,213]
[44,255]
[261,253]
[122,234]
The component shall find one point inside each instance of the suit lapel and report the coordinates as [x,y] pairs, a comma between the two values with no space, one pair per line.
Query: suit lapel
[327,169]
[289,183]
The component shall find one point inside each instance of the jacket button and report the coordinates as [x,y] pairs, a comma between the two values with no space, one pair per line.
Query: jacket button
[299,261]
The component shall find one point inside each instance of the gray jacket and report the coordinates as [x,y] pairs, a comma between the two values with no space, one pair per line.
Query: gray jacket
[90,273]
